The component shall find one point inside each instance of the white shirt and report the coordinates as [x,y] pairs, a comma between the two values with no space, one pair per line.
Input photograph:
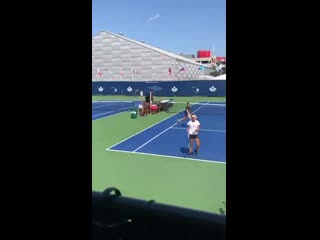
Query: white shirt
[193,127]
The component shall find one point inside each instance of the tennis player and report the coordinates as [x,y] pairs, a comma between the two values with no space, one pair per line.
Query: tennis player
[187,113]
[193,130]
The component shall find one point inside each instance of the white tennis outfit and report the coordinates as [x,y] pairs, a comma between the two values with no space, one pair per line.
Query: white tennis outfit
[193,126]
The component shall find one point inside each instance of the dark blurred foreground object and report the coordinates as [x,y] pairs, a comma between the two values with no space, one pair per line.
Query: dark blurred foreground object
[123,218]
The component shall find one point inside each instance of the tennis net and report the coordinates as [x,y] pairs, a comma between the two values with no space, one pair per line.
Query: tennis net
[198,108]
[114,105]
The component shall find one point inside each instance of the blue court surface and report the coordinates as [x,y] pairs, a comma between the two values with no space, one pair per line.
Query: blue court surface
[169,138]
[105,108]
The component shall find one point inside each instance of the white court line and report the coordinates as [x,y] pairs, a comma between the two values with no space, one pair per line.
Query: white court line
[154,138]
[116,100]
[102,113]
[114,110]
[142,130]
[109,116]
[202,129]
[162,132]
[158,155]
[103,106]
[109,112]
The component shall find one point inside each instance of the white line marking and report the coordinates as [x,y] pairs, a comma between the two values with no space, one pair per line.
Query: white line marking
[201,107]
[109,116]
[102,113]
[158,155]
[201,129]
[93,108]
[102,101]
[142,131]
[110,111]
[161,133]
[154,138]
[116,109]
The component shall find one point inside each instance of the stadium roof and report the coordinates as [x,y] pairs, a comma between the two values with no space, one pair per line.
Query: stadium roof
[169,54]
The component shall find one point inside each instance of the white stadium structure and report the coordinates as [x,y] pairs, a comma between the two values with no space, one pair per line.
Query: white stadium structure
[117,58]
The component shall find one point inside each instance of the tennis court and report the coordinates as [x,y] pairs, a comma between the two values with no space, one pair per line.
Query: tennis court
[147,157]
[169,138]
[106,108]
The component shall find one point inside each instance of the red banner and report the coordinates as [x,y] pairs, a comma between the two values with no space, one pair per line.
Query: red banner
[221,59]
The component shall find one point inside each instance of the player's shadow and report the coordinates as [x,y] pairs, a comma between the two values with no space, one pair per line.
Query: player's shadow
[184,150]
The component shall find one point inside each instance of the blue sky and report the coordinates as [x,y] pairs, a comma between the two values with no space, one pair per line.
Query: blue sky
[173,25]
